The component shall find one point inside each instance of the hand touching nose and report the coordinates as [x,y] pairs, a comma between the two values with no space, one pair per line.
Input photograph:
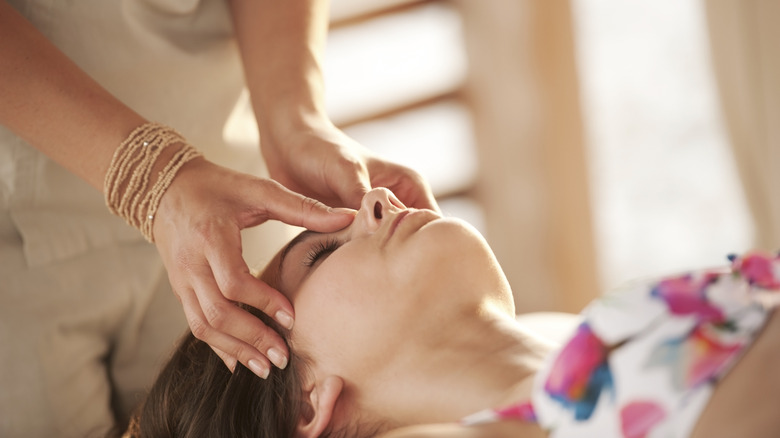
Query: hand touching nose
[197,232]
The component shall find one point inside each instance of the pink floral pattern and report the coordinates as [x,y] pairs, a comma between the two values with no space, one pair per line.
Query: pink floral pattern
[687,295]
[638,418]
[580,373]
[521,411]
[651,374]
[759,269]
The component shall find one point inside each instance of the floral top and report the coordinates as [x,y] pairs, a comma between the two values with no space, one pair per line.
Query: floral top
[645,360]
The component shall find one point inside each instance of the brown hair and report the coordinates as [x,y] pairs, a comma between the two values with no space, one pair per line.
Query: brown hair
[196,396]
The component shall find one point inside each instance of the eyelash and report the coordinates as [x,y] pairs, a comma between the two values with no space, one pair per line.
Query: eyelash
[319,250]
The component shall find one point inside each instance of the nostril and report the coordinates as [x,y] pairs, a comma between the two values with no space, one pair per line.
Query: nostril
[378,210]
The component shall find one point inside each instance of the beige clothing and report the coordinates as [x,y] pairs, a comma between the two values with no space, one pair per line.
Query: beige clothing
[77,333]
[81,291]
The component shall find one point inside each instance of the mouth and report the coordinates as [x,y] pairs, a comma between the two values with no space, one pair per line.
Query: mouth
[397,222]
[419,218]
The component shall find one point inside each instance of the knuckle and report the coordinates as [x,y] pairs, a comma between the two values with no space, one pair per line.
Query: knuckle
[273,184]
[199,328]
[263,301]
[205,231]
[259,339]
[178,285]
[233,286]
[215,314]
[309,206]
[242,352]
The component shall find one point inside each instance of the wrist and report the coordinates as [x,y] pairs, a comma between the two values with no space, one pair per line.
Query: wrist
[289,101]
[140,172]
[278,124]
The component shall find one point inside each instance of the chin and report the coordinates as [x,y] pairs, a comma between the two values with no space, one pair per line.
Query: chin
[453,247]
[456,234]
[450,261]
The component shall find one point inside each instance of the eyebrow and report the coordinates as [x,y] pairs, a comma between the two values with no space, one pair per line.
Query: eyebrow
[300,238]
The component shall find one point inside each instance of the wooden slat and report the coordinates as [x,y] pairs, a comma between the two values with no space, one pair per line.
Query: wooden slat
[437,140]
[533,180]
[347,10]
[392,61]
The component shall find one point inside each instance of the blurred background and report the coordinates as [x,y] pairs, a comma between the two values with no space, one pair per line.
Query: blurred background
[591,141]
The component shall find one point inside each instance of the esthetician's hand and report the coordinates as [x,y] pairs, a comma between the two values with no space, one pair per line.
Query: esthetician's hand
[322,162]
[197,232]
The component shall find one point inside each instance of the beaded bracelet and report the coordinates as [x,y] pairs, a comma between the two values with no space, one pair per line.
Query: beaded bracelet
[127,179]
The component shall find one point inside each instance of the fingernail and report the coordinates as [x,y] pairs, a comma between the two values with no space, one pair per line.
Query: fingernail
[285,319]
[278,359]
[348,211]
[259,369]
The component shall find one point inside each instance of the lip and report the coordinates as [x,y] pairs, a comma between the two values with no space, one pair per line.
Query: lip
[420,217]
[396,222]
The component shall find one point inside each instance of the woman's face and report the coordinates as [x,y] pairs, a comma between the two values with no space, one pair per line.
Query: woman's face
[360,294]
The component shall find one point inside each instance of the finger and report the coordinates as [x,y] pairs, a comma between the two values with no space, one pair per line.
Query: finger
[417,193]
[408,185]
[415,196]
[228,360]
[225,317]
[237,333]
[395,201]
[423,201]
[295,209]
[429,202]
[230,347]
[237,284]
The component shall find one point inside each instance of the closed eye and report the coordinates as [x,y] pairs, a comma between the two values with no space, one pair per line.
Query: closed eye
[320,250]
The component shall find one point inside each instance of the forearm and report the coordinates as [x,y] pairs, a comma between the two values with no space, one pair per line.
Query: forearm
[52,104]
[281,44]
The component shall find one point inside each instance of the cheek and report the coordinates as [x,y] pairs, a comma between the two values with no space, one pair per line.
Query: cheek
[448,257]
[441,252]
[343,302]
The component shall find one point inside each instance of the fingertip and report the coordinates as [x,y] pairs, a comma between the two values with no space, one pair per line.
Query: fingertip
[285,319]
[277,358]
[329,219]
[260,369]
[434,205]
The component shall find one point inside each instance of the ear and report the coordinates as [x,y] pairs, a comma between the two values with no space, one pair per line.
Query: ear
[321,398]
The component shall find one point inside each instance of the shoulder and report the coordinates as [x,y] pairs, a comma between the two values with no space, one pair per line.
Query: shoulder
[501,429]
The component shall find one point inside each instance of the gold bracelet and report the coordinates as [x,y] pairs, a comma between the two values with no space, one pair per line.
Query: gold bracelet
[127,179]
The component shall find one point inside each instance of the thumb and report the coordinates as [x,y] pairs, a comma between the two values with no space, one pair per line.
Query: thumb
[295,209]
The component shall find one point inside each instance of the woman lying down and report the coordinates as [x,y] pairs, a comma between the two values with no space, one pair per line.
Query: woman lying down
[405,328]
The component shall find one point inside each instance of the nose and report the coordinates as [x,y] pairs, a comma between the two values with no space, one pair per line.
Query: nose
[378,205]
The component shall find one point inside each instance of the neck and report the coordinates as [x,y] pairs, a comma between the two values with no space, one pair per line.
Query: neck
[482,359]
